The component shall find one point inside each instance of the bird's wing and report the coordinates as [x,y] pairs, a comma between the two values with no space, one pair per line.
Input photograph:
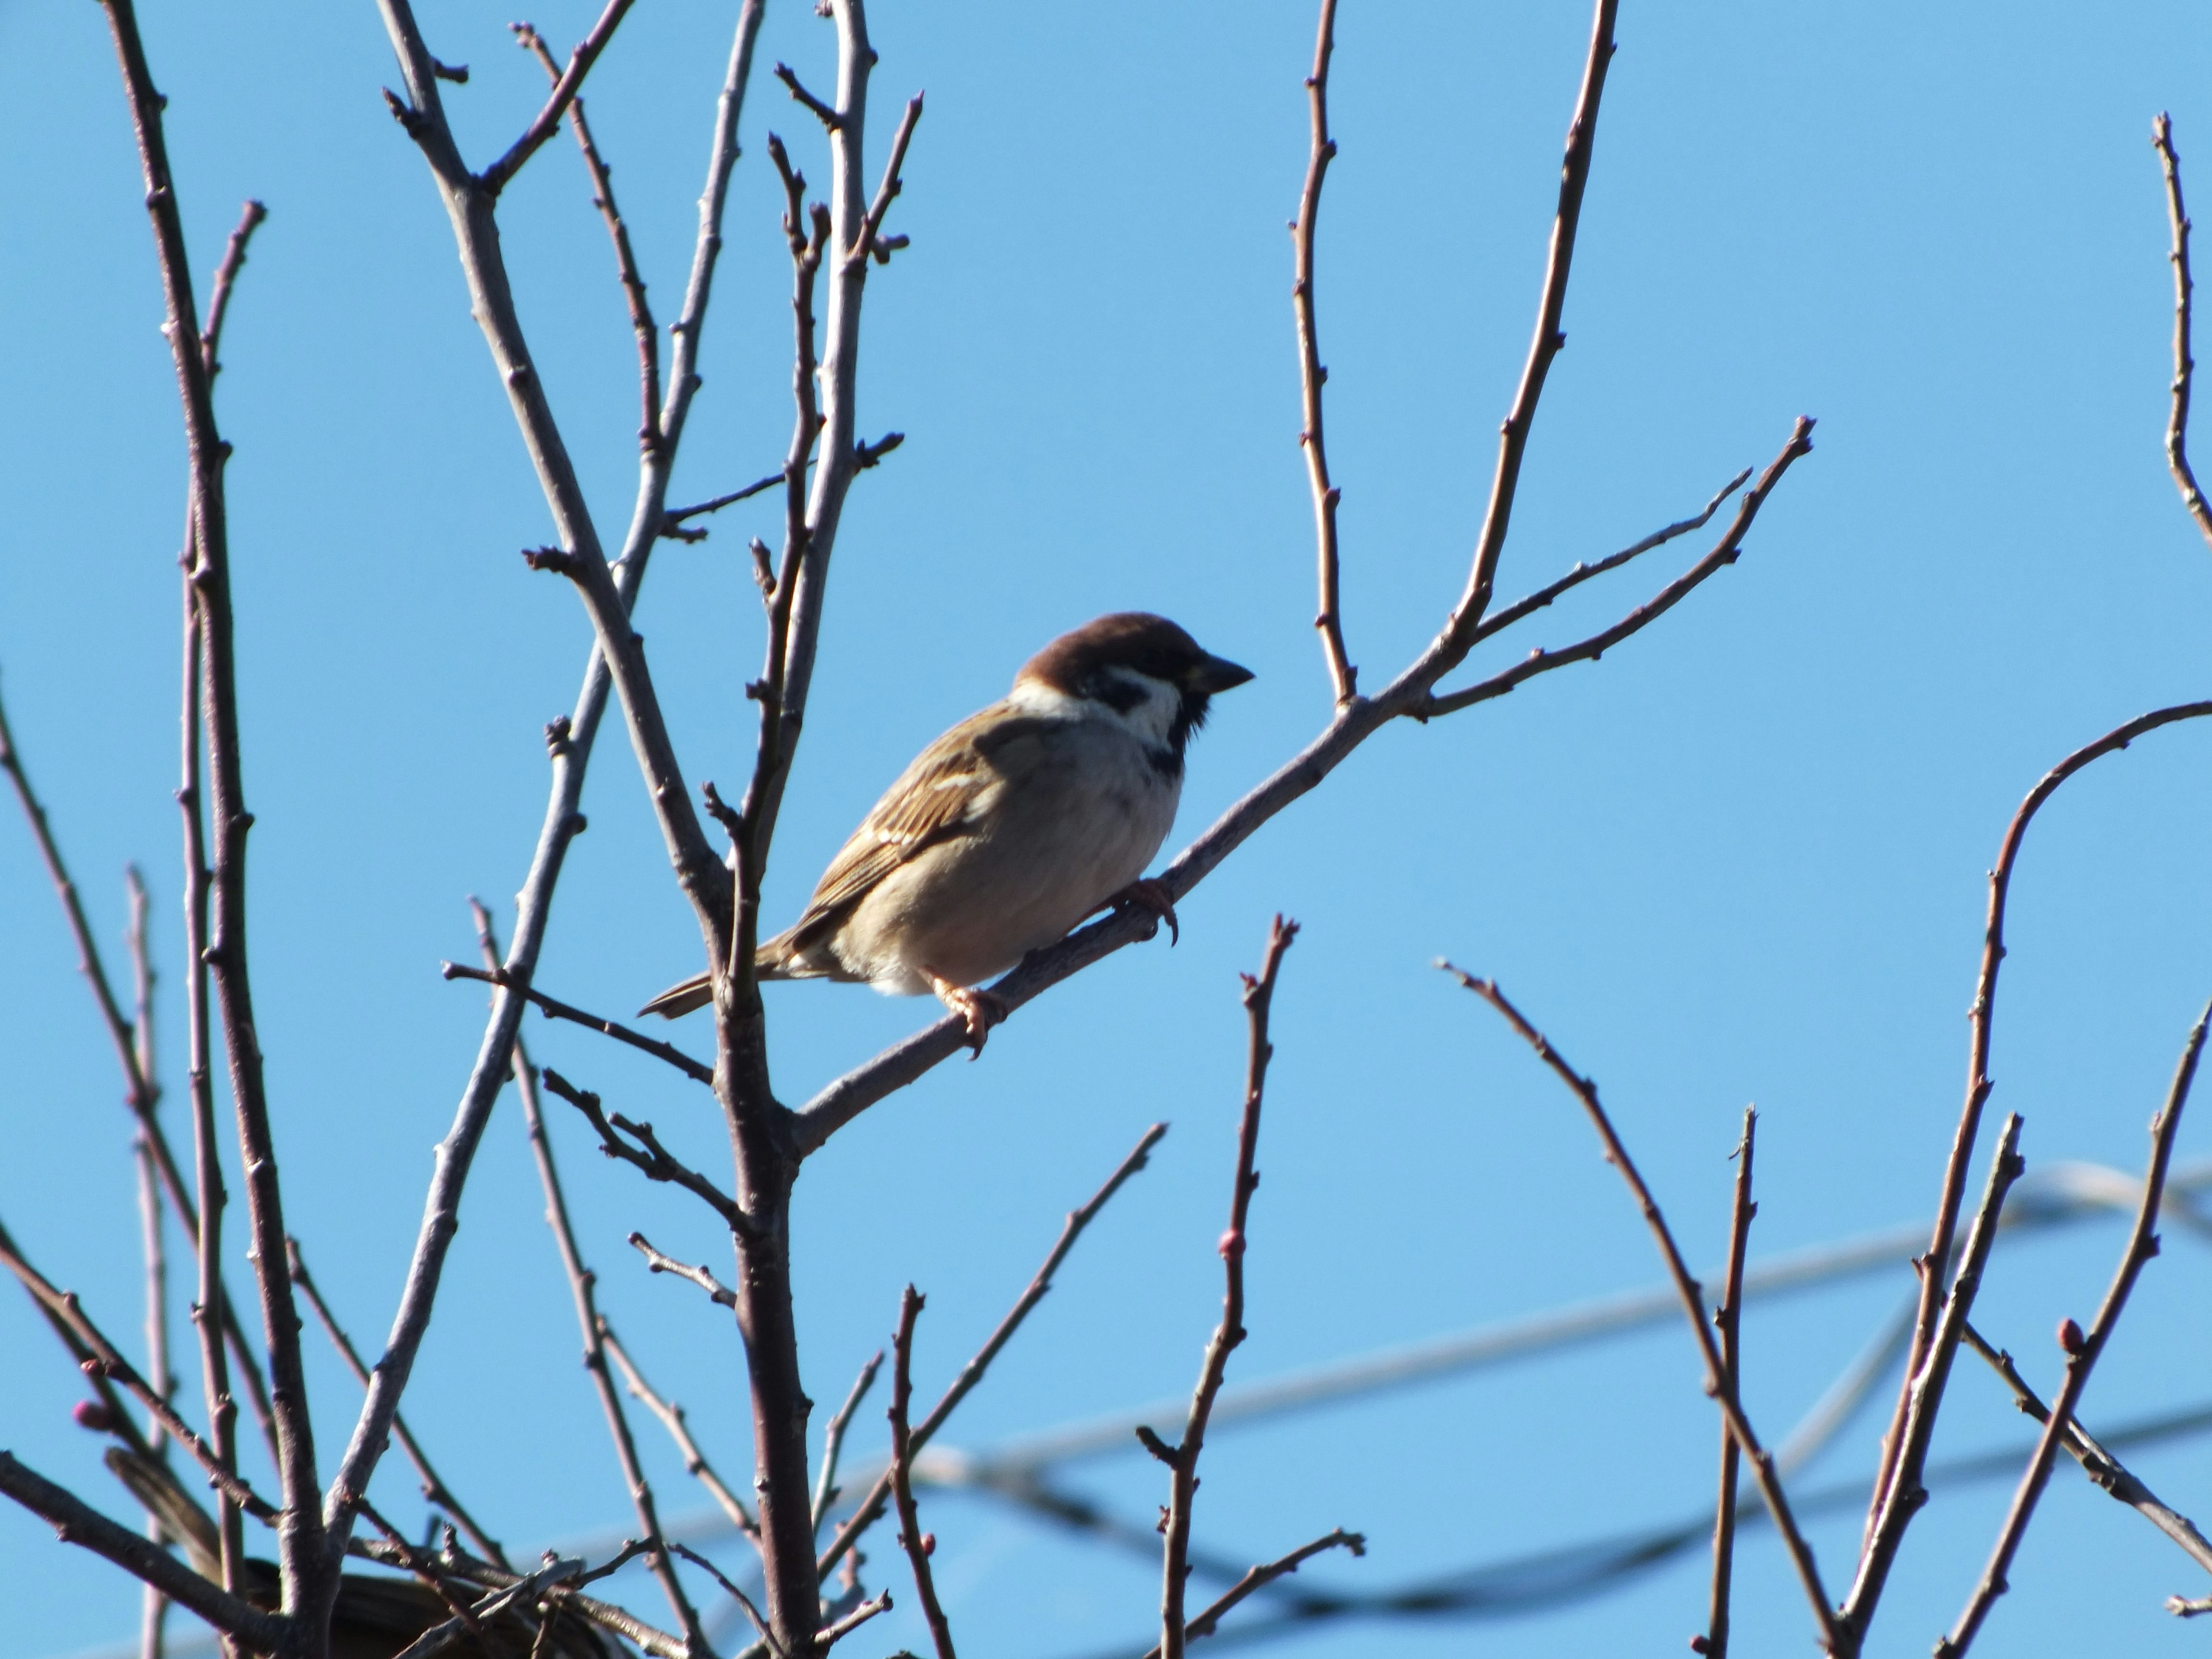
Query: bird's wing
[938,798]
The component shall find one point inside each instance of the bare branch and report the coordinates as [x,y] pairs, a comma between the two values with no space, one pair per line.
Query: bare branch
[495,178]
[870,242]
[226,278]
[2176,422]
[1497,622]
[648,1156]
[76,1522]
[833,1439]
[829,118]
[2103,1469]
[439,1637]
[1260,1577]
[871,1506]
[1925,1386]
[2081,1354]
[105,1360]
[577,732]
[553,1008]
[1311,375]
[435,1489]
[918,1546]
[716,1290]
[1730,548]
[1546,344]
[672,521]
[736,1594]
[679,1430]
[1716,1379]
[633,283]
[1182,1458]
[1728,1320]
[1867,1589]
[837,1630]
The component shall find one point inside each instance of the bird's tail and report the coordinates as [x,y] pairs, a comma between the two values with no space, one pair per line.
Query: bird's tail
[772,960]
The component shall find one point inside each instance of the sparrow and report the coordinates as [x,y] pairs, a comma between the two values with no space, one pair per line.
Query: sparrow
[1003,835]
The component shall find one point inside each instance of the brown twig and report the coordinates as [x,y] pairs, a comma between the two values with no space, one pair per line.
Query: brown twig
[1724,553]
[226,279]
[679,1430]
[1693,1298]
[1886,1520]
[2176,422]
[131,1042]
[470,1620]
[105,1360]
[1260,1577]
[495,178]
[659,1643]
[1497,622]
[1343,676]
[871,242]
[554,1008]
[716,1290]
[833,1439]
[435,1489]
[917,1545]
[871,1506]
[1728,1320]
[2082,1352]
[672,521]
[1924,1386]
[309,1572]
[76,1522]
[2104,1469]
[423,115]
[648,1156]
[633,283]
[1182,1459]
[837,1630]
[735,1593]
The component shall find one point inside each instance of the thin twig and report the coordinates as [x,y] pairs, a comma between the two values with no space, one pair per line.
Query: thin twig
[582,1282]
[554,1008]
[1497,622]
[435,1489]
[226,278]
[871,1506]
[829,118]
[833,1438]
[1343,676]
[2177,421]
[648,1156]
[1728,1320]
[2081,1354]
[835,1631]
[672,521]
[141,1090]
[152,1241]
[2103,1469]
[917,1545]
[439,1637]
[1724,553]
[76,1522]
[1886,1520]
[633,283]
[1182,1458]
[736,1594]
[1762,1461]
[871,242]
[494,177]
[659,1643]
[578,733]
[716,1290]
[1260,1577]
[679,1430]
[106,1360]
[308,1571]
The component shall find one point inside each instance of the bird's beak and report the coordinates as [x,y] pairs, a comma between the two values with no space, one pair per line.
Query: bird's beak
[1218,674]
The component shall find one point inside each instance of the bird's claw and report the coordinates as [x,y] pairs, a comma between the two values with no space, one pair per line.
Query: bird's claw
[1151,895]
[978,1010]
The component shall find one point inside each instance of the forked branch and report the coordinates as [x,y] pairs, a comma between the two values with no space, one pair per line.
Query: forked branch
[1717,1381]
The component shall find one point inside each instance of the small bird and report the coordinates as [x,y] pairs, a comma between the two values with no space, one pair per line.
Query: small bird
[1012,827]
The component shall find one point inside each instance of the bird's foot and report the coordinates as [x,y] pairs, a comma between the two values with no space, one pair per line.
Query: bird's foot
[1150,895]
[979,1010]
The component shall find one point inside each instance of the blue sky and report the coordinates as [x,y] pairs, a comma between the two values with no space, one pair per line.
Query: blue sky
[1741,859]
